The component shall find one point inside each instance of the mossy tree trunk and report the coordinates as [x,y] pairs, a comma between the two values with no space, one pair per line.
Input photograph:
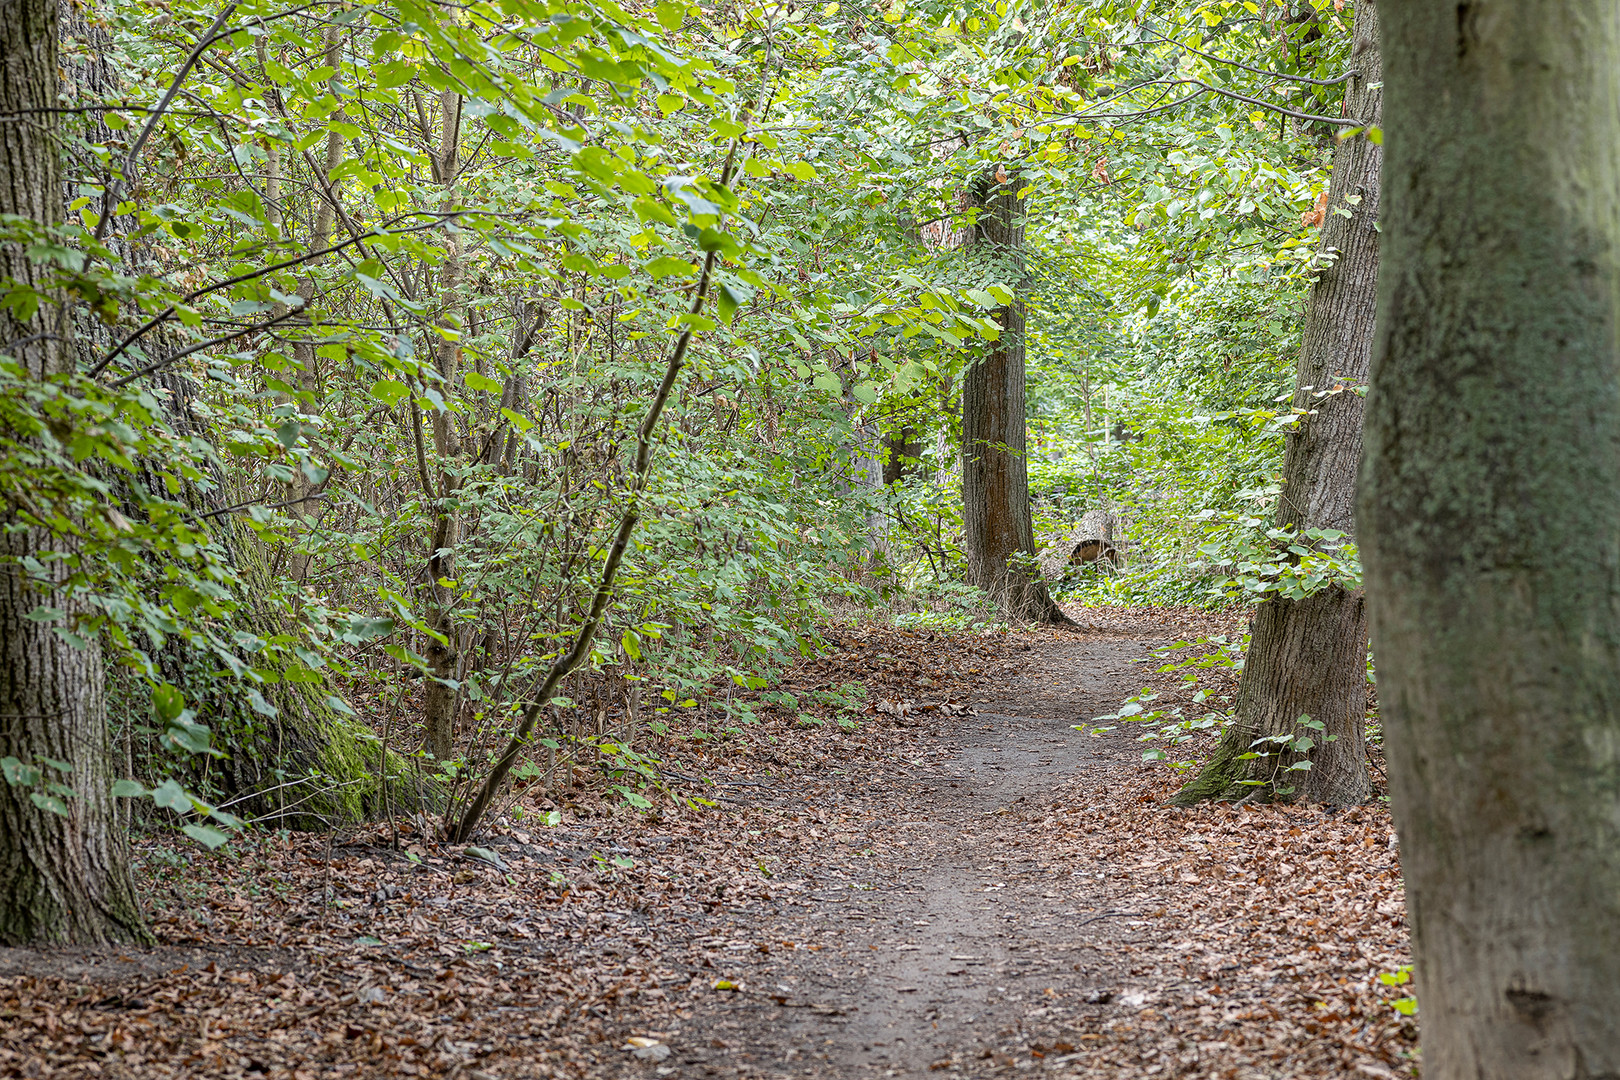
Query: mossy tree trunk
[997,526]
[308,766]
[1490,520]
[64,872]
[1308,657]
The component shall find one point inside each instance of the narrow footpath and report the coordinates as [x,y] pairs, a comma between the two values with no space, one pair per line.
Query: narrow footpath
[976,947]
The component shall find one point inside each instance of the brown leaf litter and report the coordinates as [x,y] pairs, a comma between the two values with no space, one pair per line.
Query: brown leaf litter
[936,890]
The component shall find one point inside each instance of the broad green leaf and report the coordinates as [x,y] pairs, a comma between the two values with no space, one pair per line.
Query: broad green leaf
[476,381]
[206,835]
[167,702]
[667,266]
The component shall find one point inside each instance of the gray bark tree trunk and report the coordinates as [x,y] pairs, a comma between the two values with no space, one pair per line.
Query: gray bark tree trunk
[998,531]
[441,700]
[1490,514]
[1308,657]
[63,877]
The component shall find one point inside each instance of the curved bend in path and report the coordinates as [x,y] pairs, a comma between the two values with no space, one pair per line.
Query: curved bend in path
[971,953]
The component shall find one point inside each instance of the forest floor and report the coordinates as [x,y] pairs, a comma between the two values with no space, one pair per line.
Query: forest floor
[962,884]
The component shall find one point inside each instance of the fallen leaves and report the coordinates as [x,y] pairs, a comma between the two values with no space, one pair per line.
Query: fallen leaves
[579,935]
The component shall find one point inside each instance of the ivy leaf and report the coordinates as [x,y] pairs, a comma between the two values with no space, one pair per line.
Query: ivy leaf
[49,803]
[167,702]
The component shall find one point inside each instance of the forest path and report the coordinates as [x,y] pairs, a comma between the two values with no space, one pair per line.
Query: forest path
[974,952]
[920,888]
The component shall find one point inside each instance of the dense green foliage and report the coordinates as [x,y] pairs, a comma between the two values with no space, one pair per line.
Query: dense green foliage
[390,288]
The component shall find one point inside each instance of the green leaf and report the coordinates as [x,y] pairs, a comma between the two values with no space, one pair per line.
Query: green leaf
[206,835]
[49,803]
[389,391]
[171,796]
[652,210]
[363,628]
[726,303]
[671,16]
[476,381]
[19,775]
[640,802]
[190,737]
[167,702]
[484,854]
[667,266]
[128,789]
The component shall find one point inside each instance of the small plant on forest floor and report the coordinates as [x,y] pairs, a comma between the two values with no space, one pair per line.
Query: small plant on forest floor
[1401,976]
[1300,741]
[1173,728]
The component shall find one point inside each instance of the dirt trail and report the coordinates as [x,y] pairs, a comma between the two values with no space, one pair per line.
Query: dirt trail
[975,946]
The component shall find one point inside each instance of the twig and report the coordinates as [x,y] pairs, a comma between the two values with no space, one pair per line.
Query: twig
[200,346]
[109,201]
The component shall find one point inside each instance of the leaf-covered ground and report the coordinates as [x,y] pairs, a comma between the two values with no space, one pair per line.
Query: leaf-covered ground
[961,884]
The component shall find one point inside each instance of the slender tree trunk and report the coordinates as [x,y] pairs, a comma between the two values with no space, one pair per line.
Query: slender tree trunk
[999,532]
[443,652]
[63,877]
[1490,513]
[867,464]
[1307,658]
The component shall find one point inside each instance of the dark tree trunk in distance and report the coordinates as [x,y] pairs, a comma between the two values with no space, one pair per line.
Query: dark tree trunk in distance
[995,483]
[63,877]
[1490,515]
[1308,657]
[903,449]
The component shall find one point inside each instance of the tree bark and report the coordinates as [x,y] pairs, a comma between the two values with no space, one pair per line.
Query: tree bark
[63,877]
[1490,512]
[1307,658]
[443,653]
[996,518]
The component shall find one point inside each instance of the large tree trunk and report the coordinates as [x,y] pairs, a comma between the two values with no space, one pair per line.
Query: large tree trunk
[1307,658]
[63,876]
[1490,514]
[999,534]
